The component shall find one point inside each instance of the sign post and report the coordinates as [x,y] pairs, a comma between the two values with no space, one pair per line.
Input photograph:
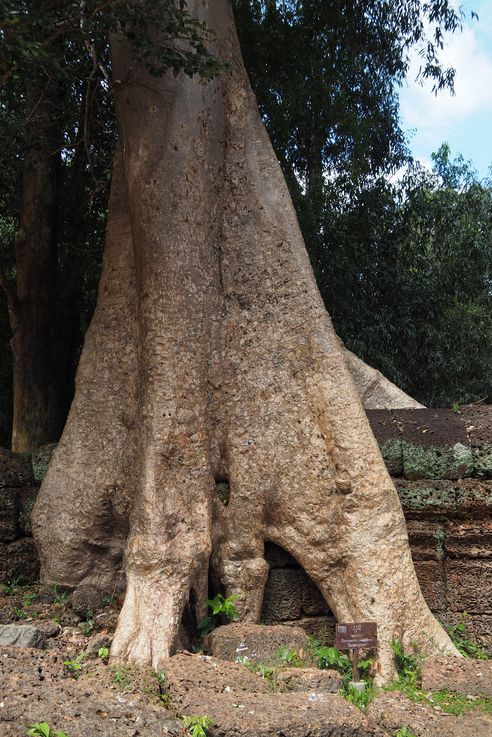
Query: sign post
[356,636]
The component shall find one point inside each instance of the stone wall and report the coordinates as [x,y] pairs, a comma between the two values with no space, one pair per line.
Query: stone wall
[441,463]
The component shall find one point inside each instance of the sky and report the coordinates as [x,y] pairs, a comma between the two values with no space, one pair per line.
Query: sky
[465,120]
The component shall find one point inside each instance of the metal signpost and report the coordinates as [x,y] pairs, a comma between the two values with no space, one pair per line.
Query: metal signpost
[356,636]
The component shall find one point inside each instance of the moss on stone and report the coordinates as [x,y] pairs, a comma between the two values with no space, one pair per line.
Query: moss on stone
[391,451]
[427,497]
[482,460]
[431,462]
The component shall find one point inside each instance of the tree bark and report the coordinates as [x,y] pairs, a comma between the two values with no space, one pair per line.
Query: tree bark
[37,317]
[211,358]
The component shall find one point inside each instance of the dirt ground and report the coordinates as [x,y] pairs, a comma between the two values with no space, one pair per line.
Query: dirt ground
[70,685]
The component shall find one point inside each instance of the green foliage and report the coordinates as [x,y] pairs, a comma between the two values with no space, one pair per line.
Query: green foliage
[467,647]
[360,699]
[408,665]
[404,732]
[42,729]
[60,598]
[123,677]
[12,587]
[88,626]
[31,39]
[74,666]
[103,653]
[162,686]
[197,726]
[288,656]
[219,607]
[330,657]
[409,673]
[459,703]
[268,673]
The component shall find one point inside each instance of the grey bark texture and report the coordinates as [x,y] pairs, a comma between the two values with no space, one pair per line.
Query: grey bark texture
[211,358]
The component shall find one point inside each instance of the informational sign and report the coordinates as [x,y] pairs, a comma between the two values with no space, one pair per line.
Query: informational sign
[356,636]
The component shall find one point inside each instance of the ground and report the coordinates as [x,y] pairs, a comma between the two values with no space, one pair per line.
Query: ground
[71,686]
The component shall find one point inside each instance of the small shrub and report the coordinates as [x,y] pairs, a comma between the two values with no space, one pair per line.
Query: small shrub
[409,666]
[42,729]
[197,726]
[288,656]
[59,597]
[122,676]
[12,587]
[218,607]
[360,699]
[74,666]
[404,732]
[466,647]
[88,625]
[103,653]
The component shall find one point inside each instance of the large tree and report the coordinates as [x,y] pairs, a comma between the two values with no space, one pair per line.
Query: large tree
[211,360]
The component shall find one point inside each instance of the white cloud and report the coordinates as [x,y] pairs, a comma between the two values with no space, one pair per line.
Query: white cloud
[471,56]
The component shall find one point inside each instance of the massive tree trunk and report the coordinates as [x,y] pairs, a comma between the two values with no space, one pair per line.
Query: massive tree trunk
[211,359]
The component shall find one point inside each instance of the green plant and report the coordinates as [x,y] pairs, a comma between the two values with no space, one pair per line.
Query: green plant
[329,657]
[122,676]
[103,653]
[88,625]
[42,729]
[197,726]
[409,666]
[108,601]
[59,597]
[11,588]
[162,687]
[74,666]
[218,606]
[468,648]
[288,656]
[360,699]
[21,613]
[404,732]
[268,673]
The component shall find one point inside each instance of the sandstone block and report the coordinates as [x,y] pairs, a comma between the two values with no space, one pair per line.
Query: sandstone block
[270,715]
[431,579]
[185,672]
[41,459]
[15,469]
[463,675]
[86,598]
[469,539]
[427,497]
[321,628]
[19,559]
[309,679]
[282,599]
[313,603]
[427,539]
[22,635]
[260,643]
[469,584]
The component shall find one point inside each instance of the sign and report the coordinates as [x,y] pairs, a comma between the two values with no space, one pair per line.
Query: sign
[356,636]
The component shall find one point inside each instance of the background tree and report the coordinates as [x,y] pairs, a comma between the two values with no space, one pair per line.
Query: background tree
[56,115]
